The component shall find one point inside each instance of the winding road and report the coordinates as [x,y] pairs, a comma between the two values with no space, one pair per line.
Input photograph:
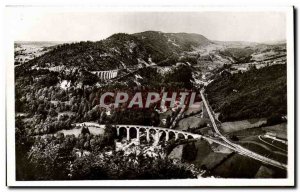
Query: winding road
[241,150]
[260,138]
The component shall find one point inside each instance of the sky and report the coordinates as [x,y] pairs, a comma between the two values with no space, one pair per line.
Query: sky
[94,26]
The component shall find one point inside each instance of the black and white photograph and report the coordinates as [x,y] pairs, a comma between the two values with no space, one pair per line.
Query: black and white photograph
[150,96]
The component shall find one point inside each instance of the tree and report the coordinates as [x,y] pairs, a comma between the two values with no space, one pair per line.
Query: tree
[181,76]
[85,130]
[50,162]
[274,119]
[110,134]
[189,152]
[23,145]
[168,121]
[133,166]
[88,78]
[74,108]
[234,138]
[52,112]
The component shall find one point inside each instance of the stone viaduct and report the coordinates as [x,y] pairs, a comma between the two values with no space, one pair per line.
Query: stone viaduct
[157,131]
[148,131]
[106,74]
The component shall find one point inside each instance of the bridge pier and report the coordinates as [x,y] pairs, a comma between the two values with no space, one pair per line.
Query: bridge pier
[118,132]
[176,136]
[167,136]
[128,134]
[148,135]
[157,137]
[185,136]
[138,134]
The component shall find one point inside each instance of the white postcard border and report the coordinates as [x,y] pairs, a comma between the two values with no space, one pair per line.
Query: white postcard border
[10,106]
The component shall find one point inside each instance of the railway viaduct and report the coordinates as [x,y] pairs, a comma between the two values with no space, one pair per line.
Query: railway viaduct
[105,75]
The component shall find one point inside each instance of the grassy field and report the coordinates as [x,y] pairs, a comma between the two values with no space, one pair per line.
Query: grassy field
[275,143]
[256,145]
[237,166]
[191,122]
[246,132]
[176,153]
[280,130]
[206,157]
[270,154]
[228,127]
[191,110]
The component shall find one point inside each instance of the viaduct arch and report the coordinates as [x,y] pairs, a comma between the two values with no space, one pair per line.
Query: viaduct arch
[104,75]
[158,132]
[187,135]
[168,133]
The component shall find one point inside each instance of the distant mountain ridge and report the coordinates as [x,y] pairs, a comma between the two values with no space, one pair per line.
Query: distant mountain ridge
[122,49]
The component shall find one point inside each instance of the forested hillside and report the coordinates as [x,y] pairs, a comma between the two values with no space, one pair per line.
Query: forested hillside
[256,93]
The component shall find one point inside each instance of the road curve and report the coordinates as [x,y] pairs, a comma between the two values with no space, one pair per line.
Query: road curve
[241,150]
[259,137]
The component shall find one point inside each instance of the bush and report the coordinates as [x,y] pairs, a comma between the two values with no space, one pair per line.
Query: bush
[274,119]
[85,130]
[120,166]
[189,152]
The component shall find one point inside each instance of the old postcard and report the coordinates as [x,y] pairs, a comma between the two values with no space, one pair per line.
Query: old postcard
[150,96]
